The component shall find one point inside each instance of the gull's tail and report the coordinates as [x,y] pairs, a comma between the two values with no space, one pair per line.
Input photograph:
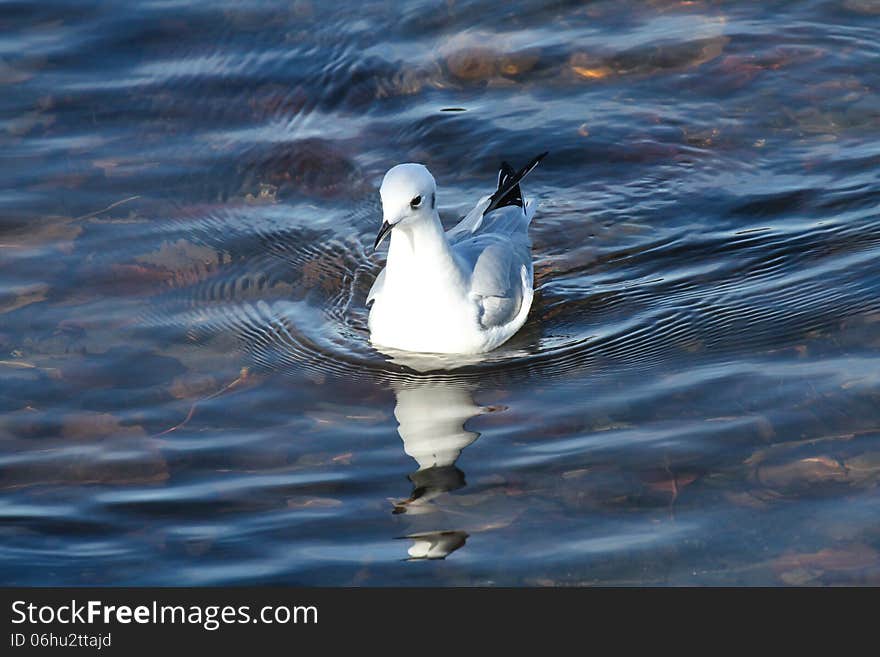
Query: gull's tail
[508,192]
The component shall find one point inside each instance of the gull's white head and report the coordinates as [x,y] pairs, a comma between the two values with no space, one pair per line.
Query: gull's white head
[408,194]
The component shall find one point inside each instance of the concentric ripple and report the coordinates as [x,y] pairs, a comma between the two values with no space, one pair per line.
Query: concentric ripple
[294,297]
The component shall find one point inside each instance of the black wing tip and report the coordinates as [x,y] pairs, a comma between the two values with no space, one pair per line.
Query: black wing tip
[537,159]
[507,169]
[508,192]
[512,174]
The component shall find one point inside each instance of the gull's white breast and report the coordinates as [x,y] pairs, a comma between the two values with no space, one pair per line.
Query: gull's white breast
[420,311]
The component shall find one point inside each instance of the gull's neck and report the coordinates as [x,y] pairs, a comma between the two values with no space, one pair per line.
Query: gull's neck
[419,251]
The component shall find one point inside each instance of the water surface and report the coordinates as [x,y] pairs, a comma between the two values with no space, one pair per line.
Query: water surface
[188,195]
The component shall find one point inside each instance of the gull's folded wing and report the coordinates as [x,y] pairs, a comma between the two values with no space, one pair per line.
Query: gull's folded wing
[496,282]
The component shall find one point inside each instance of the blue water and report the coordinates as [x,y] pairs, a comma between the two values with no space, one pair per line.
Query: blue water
[188,197]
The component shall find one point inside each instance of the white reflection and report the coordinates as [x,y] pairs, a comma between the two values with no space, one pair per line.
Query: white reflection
[431,414]
[435,545]
[431,419]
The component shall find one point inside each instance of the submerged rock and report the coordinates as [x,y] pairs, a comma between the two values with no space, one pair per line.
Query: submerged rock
[122,367]
[801,475]
[311,167]
[850,562]
[472,64]
[128,461]
[94,426]
[468,59]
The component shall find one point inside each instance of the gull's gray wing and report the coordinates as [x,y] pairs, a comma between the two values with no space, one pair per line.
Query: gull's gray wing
[496,263]
[471,222]
[509,220]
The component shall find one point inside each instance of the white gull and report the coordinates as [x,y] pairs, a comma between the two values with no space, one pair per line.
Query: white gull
[464,291]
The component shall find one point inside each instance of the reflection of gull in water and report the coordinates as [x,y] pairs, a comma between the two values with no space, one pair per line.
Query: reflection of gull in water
[431,417]
[437,363]
[435,545]
[431,413]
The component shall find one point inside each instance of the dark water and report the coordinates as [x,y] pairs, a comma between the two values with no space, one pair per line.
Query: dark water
[188,192]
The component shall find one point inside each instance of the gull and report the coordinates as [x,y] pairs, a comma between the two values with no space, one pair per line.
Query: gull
[464,291]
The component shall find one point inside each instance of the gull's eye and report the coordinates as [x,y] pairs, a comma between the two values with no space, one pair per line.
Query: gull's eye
[416,202]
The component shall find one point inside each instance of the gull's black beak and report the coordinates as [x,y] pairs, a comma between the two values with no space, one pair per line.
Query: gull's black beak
[383,231]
